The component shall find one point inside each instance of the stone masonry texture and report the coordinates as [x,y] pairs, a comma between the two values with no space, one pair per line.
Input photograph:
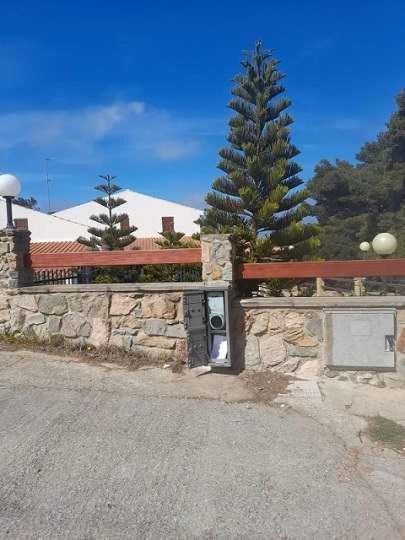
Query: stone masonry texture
[14,247]
[286,335]
[289,335]
[282,340]
[217,255]
[151,323]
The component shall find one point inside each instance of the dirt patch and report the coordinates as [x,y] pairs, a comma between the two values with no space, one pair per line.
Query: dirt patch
[88,354]
[224,384]
[387,432]
[177,366]
[118,357]
[267,385]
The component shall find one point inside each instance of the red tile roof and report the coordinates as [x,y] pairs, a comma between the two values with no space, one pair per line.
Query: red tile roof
[145,243]
[75,247]
[56,247]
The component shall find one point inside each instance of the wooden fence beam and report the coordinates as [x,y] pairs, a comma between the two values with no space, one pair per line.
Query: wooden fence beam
[323,269]
[114,258]
[307,269]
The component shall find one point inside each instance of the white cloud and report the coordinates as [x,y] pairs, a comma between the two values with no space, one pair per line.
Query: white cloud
[129,129]
[170,150]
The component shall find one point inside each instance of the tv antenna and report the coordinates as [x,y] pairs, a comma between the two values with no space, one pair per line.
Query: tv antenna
[48,183]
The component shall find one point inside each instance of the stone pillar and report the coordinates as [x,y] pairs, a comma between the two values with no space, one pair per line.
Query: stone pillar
[218,257]
[14,252]
[359,288]
[320,287]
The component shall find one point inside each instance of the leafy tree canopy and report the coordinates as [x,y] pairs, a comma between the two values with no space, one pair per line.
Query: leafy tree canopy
[355,202]
[29,202]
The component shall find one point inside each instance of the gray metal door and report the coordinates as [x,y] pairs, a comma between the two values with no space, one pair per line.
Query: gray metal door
[196,328]
[361,339]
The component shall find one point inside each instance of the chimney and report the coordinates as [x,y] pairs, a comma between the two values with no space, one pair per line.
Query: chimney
[21,224]
[168,224]
[125,223]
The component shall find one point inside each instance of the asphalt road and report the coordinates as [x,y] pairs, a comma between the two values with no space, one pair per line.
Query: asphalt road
[81,460]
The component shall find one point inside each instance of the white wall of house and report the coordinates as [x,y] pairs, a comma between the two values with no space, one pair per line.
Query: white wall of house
[144,211]
[67,225]
[44,227]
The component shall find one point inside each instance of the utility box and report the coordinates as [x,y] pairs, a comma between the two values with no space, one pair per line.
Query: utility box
[206,320]
[361,339]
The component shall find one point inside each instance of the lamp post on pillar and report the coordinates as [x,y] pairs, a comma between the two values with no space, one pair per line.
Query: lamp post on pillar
[14,243]
[384,245]
[365,247]
[10,188]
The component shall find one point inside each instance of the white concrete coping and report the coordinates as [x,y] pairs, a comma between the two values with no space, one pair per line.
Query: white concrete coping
[122,287]
[325,302]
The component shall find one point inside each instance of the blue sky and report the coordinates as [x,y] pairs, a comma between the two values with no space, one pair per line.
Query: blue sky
[139,89]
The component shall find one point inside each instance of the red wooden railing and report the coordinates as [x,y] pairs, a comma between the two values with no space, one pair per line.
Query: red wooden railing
[114,258]
[323,269]
[309,269]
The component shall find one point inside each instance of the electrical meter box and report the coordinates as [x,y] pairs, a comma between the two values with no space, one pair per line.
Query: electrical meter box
[206,320]
[361,339]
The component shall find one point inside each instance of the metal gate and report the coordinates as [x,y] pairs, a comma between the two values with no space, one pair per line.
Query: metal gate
[195,324]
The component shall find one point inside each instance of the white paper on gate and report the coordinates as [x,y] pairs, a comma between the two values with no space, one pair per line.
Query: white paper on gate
[219,348]
[216,304]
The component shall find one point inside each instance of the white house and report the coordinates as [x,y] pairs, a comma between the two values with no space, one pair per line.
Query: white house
[44,227]
[144,211]
[58,232]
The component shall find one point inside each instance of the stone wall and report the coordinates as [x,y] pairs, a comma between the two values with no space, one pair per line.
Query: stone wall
[282,339]
[143,318]
[289,335]
[14,248]
[400,343]
[218,257]
[282,334]
[140,318]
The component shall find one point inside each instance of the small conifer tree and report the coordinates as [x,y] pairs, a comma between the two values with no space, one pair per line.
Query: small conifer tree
[111,236]
[171,240]
[174,240]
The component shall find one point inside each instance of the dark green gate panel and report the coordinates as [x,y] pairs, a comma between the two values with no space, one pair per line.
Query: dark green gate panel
[196,328]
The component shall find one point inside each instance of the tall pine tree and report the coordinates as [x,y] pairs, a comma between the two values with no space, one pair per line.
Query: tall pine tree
[257,197]
[112,236]
[354,202]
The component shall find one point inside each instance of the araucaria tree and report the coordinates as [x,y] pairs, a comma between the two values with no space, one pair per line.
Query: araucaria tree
[112,236]
[257,197]
[174,240]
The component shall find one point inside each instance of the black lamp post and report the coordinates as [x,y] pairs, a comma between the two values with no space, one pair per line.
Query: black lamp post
[10,188]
